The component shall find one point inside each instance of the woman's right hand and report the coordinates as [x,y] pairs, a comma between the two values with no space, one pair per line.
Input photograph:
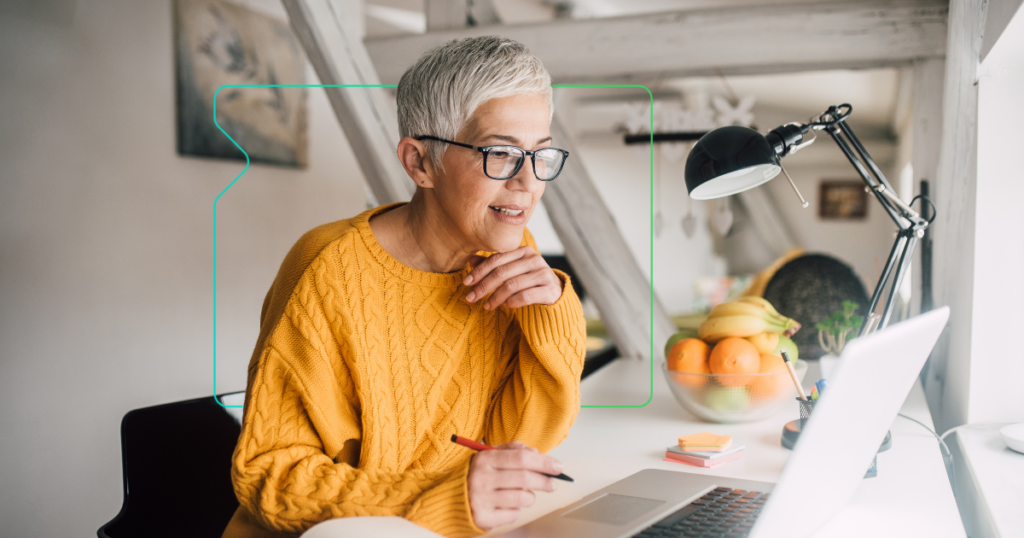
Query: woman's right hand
[501,482]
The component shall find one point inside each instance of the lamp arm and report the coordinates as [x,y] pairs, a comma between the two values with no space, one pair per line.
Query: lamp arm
[876,187]
[911,225]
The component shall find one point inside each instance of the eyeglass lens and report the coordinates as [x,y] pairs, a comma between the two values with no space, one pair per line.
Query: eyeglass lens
[503,162]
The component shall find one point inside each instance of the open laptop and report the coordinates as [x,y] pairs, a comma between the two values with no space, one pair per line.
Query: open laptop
[865,393]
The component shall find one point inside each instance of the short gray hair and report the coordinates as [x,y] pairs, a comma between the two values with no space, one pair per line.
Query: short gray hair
[439,93]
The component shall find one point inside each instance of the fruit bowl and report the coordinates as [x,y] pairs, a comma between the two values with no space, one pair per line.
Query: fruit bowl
[731,398]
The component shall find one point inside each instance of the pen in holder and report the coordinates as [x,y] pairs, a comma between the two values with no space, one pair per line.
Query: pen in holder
[791,432]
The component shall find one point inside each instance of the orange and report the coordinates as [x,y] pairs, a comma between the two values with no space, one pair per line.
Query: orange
[689,355]
[734,356]
[770,386]
[764,342]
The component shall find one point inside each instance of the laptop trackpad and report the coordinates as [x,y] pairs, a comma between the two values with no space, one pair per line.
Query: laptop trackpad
[613,509]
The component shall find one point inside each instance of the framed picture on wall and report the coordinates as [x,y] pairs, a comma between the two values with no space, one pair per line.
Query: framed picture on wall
[218,43]
[842,199]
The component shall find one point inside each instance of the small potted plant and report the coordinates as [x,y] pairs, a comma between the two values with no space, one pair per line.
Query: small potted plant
[839,328]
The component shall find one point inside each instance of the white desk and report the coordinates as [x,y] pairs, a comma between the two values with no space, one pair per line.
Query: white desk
[911,496]
[990,479]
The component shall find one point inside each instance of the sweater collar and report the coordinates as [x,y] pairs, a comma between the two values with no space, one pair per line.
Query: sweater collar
[397,268]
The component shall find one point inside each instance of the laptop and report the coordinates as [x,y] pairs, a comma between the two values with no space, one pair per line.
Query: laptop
[865,392]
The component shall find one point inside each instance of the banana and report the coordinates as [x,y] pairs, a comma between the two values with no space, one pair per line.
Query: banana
[740,308]
[792,326]
[718,328]
[762,303]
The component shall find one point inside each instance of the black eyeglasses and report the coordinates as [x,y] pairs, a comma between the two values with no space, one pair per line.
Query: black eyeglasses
[504,162]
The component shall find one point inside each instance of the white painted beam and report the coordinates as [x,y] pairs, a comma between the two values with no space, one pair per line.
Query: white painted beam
[947,384]
[999,13]
[733,40]
[456,14]
[602,259]
[330,37]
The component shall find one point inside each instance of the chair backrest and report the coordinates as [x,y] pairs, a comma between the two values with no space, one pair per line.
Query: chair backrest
[176,462]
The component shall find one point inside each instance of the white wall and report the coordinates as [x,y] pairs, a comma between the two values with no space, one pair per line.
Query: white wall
[997,360]
[105,250]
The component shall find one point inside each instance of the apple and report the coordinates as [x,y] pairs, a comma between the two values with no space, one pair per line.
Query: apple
[720,398]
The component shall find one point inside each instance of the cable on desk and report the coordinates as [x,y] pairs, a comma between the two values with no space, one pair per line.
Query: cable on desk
[947,458]
[955,428]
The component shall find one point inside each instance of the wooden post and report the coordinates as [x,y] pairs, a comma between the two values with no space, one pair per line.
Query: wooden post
[928,76]
[599,254]
[948,383]
[336,51]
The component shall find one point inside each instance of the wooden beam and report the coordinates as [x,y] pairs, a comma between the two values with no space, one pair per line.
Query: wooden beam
[767,223]
[366,115]
[947,384]
[731,40]
[998,15]
[456,14]
[602,259]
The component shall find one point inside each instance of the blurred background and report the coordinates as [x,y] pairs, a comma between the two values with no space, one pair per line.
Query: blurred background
[108,187]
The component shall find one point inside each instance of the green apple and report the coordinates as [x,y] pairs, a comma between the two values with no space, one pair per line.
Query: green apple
[787,345]
[681,335]
[721,398]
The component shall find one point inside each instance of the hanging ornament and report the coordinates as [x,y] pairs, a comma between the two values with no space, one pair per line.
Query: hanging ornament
[658,219]
[741,115]
[722,218]
[689,223]
[672,120]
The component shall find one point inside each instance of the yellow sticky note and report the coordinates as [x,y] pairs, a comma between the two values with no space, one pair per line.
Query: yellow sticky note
[705,441]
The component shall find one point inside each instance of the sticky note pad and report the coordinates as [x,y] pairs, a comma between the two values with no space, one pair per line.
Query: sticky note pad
[705,442]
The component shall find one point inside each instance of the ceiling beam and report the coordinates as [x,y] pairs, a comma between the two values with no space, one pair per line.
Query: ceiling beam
[366,116]
[731,40]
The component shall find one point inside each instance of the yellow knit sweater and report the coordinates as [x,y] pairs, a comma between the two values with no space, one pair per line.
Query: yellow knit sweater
[363,370]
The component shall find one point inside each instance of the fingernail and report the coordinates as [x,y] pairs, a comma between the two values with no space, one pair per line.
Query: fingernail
[554,485]
[471,296]
[557,467]
[469,278]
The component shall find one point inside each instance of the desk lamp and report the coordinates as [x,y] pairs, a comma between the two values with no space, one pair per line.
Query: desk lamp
[730,160]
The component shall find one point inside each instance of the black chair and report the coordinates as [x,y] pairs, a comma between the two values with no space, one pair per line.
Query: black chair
[176,461]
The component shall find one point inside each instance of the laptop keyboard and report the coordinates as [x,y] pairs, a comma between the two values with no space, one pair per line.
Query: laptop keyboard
[721,513]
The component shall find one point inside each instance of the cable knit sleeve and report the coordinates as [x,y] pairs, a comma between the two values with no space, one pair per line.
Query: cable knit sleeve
[539,393]
[290,475]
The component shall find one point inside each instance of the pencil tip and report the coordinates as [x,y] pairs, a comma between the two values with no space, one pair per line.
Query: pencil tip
[454,437]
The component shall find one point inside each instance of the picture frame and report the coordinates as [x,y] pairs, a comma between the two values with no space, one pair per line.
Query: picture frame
[218,43]
[842,200]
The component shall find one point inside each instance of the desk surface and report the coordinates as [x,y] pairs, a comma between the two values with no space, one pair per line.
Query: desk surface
[997,475]
[911,496]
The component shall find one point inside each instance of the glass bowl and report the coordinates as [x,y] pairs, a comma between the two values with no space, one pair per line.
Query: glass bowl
[731,398]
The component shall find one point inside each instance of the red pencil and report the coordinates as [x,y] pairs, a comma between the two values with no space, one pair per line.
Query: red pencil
[469,443]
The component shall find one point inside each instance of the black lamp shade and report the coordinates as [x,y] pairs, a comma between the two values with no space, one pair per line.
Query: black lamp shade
[729,160]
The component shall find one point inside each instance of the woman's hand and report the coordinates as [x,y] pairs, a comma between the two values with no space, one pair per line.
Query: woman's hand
[518,278]
[501,482]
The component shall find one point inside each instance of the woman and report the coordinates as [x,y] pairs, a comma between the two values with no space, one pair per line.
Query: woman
[386,333]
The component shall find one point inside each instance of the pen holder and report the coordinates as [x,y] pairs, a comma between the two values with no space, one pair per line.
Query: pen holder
[806,408]
[791,432]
